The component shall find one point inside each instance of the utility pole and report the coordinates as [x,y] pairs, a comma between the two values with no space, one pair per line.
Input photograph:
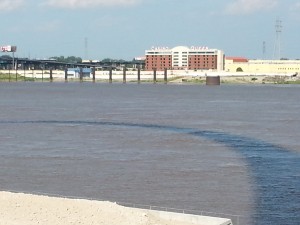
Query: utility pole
[264,50]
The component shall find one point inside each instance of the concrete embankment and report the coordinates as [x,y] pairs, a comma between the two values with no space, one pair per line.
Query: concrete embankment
[28,209]
[175,76]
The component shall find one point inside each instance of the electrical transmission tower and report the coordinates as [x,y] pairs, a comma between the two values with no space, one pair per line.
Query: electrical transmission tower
[277,45]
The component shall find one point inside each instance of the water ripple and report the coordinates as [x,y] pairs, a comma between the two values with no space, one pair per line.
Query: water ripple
[275,169]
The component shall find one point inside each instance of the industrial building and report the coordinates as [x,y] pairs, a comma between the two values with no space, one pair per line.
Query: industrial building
[184,58]
[254,66]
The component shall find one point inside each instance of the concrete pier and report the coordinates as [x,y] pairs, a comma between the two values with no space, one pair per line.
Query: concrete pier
[154,75]
[213,80]
[66,74]
[139,75]
[124,74]
[166,75]
[51,76]
[110,75]
[94,74]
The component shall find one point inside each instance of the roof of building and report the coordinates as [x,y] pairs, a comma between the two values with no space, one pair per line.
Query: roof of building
[237,59]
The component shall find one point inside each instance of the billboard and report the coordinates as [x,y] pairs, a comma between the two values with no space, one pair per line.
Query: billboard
[8,48]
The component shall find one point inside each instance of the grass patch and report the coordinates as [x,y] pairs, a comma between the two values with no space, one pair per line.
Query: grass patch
[194,81]
[292,82]
[6,77]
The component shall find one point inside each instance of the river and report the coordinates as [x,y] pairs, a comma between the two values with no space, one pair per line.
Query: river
[231,149]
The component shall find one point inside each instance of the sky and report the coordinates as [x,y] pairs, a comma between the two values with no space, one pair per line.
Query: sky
[124,29]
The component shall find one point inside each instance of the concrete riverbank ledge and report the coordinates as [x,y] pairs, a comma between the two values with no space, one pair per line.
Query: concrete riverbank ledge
[28,209]
[166,76]
[189,218]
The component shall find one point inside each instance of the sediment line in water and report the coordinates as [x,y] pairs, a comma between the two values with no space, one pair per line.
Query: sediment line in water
[269,164]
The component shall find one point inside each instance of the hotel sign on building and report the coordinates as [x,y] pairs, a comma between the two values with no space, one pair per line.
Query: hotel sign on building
[181,57]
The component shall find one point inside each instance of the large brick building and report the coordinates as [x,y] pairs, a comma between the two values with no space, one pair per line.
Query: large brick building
[181,57]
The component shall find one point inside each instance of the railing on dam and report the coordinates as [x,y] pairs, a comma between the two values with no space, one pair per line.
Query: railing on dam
[234,218]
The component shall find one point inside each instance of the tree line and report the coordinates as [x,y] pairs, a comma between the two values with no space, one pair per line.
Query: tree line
[71,59]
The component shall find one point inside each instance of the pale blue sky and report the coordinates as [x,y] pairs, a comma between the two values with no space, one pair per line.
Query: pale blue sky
[126,28]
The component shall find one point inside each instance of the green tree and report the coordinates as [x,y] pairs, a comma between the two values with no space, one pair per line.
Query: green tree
[69,59]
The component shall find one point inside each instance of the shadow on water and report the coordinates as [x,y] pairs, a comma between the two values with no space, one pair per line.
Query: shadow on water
[276,170]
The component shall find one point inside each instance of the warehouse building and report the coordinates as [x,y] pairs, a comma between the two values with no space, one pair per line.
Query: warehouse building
[184,58]
[254,66]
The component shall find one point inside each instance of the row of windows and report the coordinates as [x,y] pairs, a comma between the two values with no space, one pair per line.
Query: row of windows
[288,69]
[192,61]
[153,65]
[176,58]
[179,67]
[184,60]
[202,57]
[206,63]
[160,53]
[155,58]
[159,56]
[184,64]
[158,61]
[202,53]
[201,64]
[204,66]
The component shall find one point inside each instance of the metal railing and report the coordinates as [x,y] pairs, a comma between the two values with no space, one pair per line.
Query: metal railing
[234,218]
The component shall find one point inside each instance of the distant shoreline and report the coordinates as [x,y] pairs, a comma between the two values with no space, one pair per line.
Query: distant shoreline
[248,79]
[147,77]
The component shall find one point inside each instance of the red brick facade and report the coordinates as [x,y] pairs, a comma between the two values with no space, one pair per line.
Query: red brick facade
[203,62]
[160,62]
[181,57]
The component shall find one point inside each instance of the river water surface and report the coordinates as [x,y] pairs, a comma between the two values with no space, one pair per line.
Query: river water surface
[228,149]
